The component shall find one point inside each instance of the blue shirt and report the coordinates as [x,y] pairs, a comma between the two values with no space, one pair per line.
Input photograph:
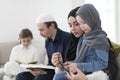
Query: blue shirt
[95,60]
[58,45]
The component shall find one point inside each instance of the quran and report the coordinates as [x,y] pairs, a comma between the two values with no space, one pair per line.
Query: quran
[36,66]
[21,62]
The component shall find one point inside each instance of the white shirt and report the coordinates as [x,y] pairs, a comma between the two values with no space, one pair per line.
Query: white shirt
[22,54]
[98,75]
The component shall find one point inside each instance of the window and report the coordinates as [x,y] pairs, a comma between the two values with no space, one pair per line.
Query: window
[107,11]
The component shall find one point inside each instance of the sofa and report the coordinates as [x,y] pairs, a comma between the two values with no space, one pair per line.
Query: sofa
[118,64]
[5,50]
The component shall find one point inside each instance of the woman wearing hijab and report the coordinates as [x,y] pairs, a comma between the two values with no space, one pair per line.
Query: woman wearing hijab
[83,19]
[95,37]
[92,50]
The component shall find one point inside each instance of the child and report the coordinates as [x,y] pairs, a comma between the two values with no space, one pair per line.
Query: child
[23,53]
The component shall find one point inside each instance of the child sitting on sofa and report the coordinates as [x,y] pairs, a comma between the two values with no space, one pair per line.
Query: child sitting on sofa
[23,53]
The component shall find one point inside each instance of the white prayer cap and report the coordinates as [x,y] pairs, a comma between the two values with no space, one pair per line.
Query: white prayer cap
[45,18]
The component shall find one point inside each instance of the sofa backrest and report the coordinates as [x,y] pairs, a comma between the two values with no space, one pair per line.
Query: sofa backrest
[5,50]
[6,47]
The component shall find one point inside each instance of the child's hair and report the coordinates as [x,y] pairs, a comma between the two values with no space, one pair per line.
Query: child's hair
[25,33]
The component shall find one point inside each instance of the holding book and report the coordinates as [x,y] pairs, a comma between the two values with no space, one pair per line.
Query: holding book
[37,66]
[23,53]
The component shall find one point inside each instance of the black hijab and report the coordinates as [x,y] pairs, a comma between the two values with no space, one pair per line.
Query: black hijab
[71,50]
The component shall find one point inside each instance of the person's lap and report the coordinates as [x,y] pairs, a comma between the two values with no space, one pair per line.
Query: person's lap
[29,76]
[43,77]
[24,76]
[60,76]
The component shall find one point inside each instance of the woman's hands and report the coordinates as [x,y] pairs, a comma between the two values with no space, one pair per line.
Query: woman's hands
[71,66]
[78,76]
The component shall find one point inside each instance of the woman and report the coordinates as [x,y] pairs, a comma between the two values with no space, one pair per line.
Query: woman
[76,33]
[88,18]
[93,45]
[23,53]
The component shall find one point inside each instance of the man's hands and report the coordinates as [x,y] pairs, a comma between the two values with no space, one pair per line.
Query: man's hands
[57,59]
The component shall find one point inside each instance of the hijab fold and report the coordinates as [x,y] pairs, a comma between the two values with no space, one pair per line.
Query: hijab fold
[96,38]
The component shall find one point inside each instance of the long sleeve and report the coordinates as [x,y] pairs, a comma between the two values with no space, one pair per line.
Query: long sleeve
[24,55]
[13,55]
[12,67]
[95,60]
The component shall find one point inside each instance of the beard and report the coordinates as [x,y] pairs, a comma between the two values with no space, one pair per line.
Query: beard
[49,39]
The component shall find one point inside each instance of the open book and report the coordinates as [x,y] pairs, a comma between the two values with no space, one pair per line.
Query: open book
[21,62]
[36,66]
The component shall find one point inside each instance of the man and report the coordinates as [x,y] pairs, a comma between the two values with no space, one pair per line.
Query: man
[56,41]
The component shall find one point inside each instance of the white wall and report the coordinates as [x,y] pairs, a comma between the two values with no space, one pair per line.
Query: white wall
[106,9]
[76,3]
[18,14]
[109,12]
[118,20]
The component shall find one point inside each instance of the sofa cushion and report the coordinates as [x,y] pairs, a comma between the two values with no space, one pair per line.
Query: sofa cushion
[5,49]
[118,64]
[116,48]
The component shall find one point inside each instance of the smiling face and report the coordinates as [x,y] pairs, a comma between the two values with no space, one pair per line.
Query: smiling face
[74,27]
[83,25]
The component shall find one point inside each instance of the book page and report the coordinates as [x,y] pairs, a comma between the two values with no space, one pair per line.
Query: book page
[21,62]
[36,66]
